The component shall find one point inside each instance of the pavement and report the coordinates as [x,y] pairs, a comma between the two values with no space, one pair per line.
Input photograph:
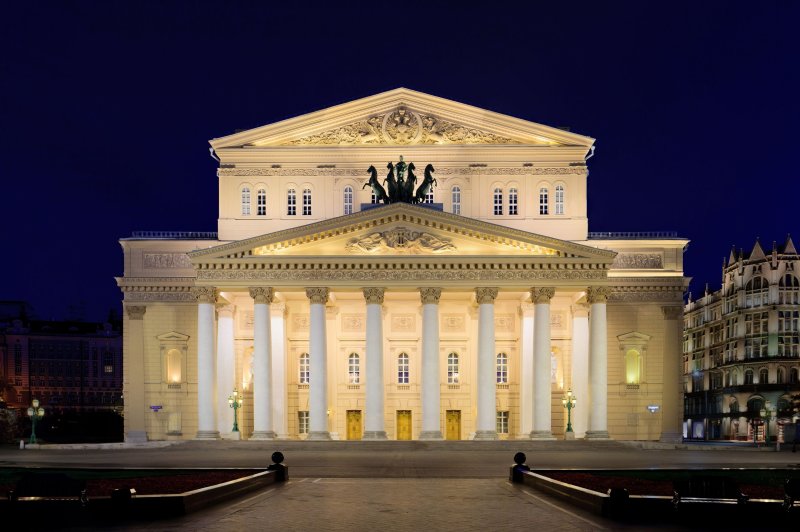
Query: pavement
[393,485]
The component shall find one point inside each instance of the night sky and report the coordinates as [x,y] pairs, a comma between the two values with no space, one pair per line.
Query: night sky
[106,109]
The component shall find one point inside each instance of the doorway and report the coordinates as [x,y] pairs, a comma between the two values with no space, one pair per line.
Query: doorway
[404,424]
[453,425]
[354,431]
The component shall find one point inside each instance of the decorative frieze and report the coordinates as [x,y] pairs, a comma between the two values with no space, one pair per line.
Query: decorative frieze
[399,240]
[638,261]
[262,294]
[135,297]
[204,294]
[542,294]
[649,292]
[597,294]
[403,323]
[166,261]
[374,295]
[317,295]
[430,295]
[385,276]
[352,323]
[485,295]
[452,322]
[135,312]
[440,171]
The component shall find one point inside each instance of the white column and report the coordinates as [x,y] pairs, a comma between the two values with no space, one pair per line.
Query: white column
[206,423]
[317,392]
[374,423]
[542,417]
[262,364]
[486,427]
[580,369]
[671,404]
[226,380]
[598,363]
[279,421]
[526,379]
[431,415]
[133,375]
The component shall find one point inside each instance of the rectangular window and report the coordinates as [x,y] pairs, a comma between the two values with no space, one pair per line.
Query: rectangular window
[402,369]
[306,202]
[262,202]
[788,320]
[544,201]
[456,200]
[302,421]
[560,199]
[512,202]
[502,422]
[291,202]
[245,201]
[498,202]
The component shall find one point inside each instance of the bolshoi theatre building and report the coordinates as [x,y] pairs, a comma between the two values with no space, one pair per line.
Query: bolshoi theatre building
[403,267]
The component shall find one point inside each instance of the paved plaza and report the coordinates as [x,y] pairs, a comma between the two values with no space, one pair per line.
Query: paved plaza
[396,485]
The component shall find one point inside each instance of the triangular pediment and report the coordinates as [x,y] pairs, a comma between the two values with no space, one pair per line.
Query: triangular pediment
[401,117]
[398,230]
[172,336]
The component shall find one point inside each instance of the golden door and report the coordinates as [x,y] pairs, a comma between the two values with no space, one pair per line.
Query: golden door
[354,424]
[453,425]
[404,424]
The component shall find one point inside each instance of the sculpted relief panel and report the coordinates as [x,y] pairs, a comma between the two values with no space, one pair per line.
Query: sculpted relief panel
[638,261]
[399,240]
[402,126]
[166,260]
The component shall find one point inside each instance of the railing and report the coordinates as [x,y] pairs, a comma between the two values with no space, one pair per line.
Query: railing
[175,235]
[630,235]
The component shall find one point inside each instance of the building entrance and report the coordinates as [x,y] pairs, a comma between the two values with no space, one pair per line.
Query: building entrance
[404,424]
[453,425]
[354,431]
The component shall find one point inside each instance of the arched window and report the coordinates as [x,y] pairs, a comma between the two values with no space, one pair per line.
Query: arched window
[748,376]
[348,199]
[174,366]
[513,206]
[502,368]
[633,366]
[754,405]
[456,197]
[559,199]
[291,202]
[756,292]
[734,406]
[780,376]
[305,371]
[793,376]
[452,368]
[763,376]
[246,201]
[261,202]
[544,201]
[353,369]
[402,368]
[789,290]
[306,202]
[498,202]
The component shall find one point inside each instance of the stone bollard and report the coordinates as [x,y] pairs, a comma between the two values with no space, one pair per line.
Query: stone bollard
[516,474]
[21,444]
[281,471]
[617,502]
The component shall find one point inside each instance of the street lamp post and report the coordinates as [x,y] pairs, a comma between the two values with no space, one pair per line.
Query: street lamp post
[235,401]
[35,412]
[569,401]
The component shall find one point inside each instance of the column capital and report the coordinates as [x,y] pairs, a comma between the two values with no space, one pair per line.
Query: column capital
[204,294]
[486,295]
[672,312]
[597,294]
[374,296]
[542,294]
[225,309]
[317,295]
[526,309]
[262,294]
[579,311]
[430,295]
[135,312]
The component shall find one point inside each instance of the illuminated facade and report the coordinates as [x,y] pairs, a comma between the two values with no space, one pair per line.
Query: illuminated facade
[467,315]
[741,348]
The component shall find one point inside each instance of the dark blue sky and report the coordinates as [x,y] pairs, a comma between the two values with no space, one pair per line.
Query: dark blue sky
[106,109]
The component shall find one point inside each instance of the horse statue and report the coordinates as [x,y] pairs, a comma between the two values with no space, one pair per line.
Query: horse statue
[411,180]
[377,189]
[427,185]
[392,188]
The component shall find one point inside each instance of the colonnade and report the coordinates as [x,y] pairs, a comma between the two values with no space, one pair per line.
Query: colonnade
[592,378]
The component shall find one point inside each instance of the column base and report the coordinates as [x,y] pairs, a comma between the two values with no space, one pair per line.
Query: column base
[542,435]
[569,435]
[207,435]
[671,437]
[597,435]
[319,435]
[231,435]
[136,436]
[263,435]
[485,435]
[374,435]
[431,435]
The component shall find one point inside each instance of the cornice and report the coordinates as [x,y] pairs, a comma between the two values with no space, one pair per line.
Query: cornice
[361,173]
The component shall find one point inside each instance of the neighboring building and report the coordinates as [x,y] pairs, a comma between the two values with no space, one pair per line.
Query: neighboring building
[468,315]
[69,366]
[741,348]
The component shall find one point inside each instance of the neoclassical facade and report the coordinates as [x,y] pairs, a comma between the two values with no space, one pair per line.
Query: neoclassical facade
[461,311]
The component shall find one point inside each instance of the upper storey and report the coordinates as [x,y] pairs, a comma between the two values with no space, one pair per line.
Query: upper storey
[487,166]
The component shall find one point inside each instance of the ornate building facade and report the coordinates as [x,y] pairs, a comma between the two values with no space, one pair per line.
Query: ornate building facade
[343,304]
[741,348]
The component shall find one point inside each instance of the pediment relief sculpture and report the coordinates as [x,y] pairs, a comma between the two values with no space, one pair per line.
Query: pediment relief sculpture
[403,126]
[399,240]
